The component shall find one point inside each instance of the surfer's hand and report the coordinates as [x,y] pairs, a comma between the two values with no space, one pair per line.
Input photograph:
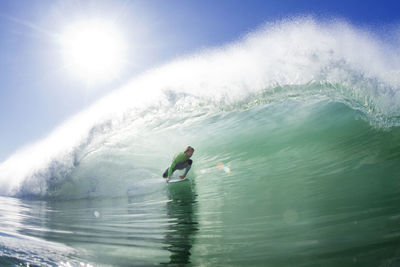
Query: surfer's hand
[182,177]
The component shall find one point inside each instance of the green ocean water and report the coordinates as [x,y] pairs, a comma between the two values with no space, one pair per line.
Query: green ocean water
[296,163]
[309,184]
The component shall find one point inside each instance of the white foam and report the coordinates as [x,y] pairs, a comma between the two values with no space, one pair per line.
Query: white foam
[291,52]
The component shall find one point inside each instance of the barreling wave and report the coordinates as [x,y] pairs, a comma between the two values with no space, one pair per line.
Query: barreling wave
[129,135]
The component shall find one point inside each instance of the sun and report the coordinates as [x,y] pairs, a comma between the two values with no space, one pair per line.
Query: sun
[93,50]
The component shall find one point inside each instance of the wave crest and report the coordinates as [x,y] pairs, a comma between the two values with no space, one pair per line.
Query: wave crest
[296,58]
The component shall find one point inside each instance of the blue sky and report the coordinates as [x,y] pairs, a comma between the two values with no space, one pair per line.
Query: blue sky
[37,93]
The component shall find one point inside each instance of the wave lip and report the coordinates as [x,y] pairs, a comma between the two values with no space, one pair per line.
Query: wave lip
[300,57]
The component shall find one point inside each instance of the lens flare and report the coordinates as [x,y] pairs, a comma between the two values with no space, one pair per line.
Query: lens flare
[221,166]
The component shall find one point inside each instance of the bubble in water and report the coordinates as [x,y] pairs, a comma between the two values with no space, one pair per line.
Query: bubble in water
[96,214]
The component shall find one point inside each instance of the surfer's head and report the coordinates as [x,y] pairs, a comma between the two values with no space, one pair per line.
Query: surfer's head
[189,151]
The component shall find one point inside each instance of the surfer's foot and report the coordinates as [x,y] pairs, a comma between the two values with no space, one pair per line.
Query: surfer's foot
[182,176]
[168,179]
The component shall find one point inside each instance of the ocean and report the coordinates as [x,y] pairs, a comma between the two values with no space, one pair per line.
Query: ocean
[297,161]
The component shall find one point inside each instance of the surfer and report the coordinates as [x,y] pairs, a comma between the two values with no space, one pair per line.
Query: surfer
[181,161]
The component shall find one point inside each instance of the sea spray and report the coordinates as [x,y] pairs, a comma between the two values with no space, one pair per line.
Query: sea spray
[296,59]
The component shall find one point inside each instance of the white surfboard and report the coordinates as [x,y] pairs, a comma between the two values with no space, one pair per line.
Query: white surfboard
[175,177]
[177,180]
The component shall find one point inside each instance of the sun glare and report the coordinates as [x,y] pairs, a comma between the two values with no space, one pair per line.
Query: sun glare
[93,50]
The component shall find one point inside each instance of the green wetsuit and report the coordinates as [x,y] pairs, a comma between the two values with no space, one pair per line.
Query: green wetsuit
[180,161]
[180,158]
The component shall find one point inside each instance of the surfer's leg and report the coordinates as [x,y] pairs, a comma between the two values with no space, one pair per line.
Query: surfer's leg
[180,166]
[165,174]
[188,166]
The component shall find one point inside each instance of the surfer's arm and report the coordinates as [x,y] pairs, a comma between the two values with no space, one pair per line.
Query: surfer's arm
[172,167]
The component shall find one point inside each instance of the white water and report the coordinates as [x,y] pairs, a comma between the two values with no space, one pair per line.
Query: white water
[361,68]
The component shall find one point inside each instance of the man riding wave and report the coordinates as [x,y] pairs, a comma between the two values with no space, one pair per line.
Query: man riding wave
[181,161]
